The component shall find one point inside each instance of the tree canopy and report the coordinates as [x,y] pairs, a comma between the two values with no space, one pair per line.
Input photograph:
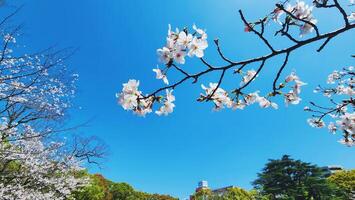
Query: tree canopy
[287,178]
[233,193]
[345,181]
[100,188]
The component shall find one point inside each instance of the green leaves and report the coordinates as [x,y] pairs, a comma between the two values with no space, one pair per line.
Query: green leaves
[287,178]
[100,188]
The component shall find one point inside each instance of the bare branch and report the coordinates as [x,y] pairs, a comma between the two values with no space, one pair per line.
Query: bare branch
[247,24]
[342,11]
[279,73]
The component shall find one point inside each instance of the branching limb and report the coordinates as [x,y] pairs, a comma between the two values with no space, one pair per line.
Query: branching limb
[342,11]
[274,85]
[260,34]
[253,60]
[216,41]
[298,19]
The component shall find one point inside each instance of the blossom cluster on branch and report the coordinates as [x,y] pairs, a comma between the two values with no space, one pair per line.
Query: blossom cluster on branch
[183,43]
[339,115]
[299,15]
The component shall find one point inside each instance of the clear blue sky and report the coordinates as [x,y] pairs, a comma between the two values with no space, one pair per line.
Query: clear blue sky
[117,40]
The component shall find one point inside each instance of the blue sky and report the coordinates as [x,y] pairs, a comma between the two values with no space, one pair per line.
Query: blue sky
[117,40]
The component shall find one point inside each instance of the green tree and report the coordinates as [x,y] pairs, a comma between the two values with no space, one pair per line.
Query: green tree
[160,197]
[97,189]
[236,193]
[233,193]
[121,191]
[293,180]
[100,188]
[202,194]
[345,182]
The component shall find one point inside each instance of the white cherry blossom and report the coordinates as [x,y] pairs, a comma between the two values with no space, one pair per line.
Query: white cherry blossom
[307,28]
[179,56]
[332,127]
[160,75]
[333,77]
[316,123]
[201,32]
[168,105]
[218,95]
[265,103]
[165,55]
[251,98]
[347,142]
[248,76]
[292,77]
[302,12]
[197,47]
[292,98]
[184,39]
[239,105]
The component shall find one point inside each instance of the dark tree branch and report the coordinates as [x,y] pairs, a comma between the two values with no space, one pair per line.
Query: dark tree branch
[324,44]
[179,69]
[296,18]
[216,41]
[342,11]
[255,75]
[255,31]
[243,63]
[209,97]
[274,87]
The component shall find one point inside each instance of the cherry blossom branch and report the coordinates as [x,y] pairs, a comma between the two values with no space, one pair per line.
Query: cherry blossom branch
[298,18]
[181,44]
[209,97]
[339,114]
[253,60]
[252,78]
[260,34]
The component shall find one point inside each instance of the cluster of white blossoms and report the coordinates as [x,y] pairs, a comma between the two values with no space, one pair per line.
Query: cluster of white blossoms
[37,86]
[218,95]
[222,99]
[250,75]
[302,12]
[293,96]
[168,105]
[341,115]
[182,43]
[34,81]
[132,99]
[40,169]
[35,91]
[178,45]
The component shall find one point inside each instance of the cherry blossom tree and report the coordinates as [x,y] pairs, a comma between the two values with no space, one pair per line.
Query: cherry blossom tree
[36,89]
[192,43]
